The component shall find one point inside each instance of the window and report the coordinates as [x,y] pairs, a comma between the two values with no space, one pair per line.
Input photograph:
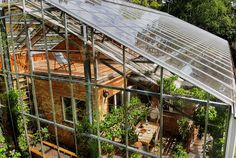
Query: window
[115,101]
[67,109]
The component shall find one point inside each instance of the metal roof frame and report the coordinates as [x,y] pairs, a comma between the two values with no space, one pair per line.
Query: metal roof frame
[206,58]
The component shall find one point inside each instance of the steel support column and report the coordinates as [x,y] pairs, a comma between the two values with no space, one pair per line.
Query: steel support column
[87,74]
[231,139]
[125,102]
[206,125]
[161,112]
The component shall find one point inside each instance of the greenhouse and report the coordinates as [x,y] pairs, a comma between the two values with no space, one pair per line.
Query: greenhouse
[92,78]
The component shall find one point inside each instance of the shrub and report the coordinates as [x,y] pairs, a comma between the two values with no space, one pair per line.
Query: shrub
[135,155]
[17,107]
[155,5]
[44,134]
[184,128]
[7,151]
[179,152]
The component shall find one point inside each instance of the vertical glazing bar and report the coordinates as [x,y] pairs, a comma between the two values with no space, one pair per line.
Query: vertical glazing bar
[17,72]
[87,75]
[161,112]
[33,90]
[231,139]
[49,78]
[206,125]
[95,64]
[71,85]
[125,103]
[227,129]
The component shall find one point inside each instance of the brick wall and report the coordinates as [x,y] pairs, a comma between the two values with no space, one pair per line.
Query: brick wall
[170,123]
[45,108]
[63,89]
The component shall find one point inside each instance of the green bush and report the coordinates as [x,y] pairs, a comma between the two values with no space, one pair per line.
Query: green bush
[17,107]
[147,3]
[179,152]
[155,5]
[112,126]
[135,155]
[137,1]
[195,92]
[44,134]
[184,128]
[7,151]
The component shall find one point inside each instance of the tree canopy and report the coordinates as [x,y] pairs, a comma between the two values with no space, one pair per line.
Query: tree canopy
[216,16]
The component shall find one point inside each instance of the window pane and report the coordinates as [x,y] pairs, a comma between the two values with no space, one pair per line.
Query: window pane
[67,109]
[81,108]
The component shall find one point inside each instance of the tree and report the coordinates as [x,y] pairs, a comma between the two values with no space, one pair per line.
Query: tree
[148,3]
[216,16]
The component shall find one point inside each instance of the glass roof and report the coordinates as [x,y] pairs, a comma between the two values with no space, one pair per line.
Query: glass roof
[188,51]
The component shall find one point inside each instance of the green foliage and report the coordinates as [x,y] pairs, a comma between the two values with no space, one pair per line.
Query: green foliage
[168,84]
[179,152]
[145,3]
[216,16]
[44,134]
[137,1]
[148,3]
[169,87]
[7,151]
[87,146]
[113,126]
[17,107]
[135,155]
[217,118]
[155,5]
[184,128]
[200,114]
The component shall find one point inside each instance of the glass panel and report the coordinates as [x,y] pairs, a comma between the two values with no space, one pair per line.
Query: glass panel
[67,109]
[80,108]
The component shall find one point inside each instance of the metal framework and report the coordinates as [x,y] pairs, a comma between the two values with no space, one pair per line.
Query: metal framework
[143,41]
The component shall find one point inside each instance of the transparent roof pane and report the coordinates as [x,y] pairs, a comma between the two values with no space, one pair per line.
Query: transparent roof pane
[190,52]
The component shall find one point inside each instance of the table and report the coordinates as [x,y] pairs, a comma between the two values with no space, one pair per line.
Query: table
[150,129]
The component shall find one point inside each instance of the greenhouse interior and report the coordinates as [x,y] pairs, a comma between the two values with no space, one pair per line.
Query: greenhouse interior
[92,78]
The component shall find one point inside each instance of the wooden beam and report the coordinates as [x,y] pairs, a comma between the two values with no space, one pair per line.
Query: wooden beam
[67,152]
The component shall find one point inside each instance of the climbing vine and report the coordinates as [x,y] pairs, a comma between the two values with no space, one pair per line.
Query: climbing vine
[17,107]
[6,150]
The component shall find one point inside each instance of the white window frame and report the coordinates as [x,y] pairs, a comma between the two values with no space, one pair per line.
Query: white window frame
[64,109]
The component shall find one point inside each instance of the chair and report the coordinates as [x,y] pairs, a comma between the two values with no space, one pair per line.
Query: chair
[62,61]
